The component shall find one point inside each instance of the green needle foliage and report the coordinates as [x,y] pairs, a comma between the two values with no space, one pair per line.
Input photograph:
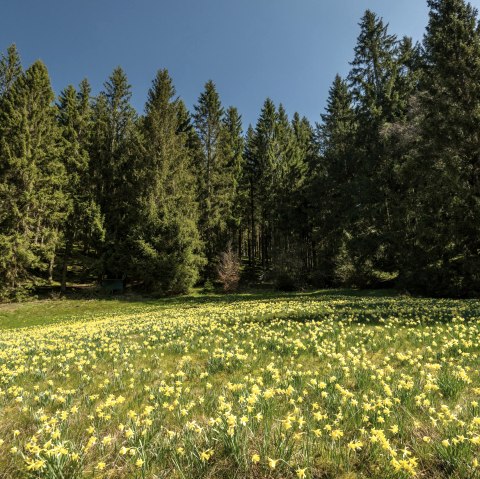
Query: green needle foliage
[384,191]
[83,226]
[33,203]
[166,250]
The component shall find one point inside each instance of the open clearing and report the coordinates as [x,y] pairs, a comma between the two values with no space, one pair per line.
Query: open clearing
[319,385]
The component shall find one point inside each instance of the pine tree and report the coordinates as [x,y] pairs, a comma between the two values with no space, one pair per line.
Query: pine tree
[400,139]
[289,175]
[443,256]
[112,154]
[249,193]
[262,170]
[212,171]
[166,244]
[32,180]
[375,87]
[83,224]
[275,168]
[10,69]
[299,214]
[373,74]
[331,175]
[296,140]
[231,146]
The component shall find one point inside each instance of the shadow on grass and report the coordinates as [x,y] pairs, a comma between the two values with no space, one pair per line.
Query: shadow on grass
[259,295]
[366,306]
[87,302]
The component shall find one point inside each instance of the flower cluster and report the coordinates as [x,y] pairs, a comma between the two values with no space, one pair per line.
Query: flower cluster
[296,386]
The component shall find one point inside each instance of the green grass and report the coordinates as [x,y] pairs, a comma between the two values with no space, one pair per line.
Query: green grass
[326,384]
[36,313]
[48,311]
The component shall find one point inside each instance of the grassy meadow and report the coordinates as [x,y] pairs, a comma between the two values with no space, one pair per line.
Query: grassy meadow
[335,384]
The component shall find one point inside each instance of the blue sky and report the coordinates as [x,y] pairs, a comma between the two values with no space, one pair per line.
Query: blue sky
[289,50]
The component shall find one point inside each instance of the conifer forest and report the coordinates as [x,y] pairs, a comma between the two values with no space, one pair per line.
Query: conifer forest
[382,191]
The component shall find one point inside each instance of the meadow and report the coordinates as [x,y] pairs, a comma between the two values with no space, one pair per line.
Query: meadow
[315,385]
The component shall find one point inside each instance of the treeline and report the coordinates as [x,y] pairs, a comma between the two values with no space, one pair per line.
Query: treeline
[383,190]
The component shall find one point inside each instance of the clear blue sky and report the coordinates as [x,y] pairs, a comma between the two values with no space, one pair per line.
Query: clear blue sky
[289,50]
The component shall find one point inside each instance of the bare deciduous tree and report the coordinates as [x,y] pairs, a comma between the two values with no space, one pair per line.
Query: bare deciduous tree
[229,270]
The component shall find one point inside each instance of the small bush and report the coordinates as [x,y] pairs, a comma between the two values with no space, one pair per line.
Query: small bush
[208,287]
[229,270]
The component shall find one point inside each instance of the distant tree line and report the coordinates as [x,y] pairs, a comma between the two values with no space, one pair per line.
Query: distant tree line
[383,190]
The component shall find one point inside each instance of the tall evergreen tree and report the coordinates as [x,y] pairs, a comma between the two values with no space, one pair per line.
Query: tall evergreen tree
[275,168]
[83,224]
[288,249]
[444,251]
[212,170]
[167,251]
[262,169]
[291,164]
[300,210]
[331,176]
[32,180]
[10,69]
[375,86]
[373,74]
[231,145]
[249,190]
[400,139]
[112,167]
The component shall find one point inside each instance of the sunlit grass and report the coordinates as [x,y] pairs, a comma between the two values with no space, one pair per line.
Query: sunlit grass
[318,385]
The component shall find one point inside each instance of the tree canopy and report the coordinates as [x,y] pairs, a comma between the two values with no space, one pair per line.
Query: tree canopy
[382,191]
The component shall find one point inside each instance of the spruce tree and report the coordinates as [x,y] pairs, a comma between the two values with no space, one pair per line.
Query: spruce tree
[231,145]
[212,172]
[443,256]
[10,69]
[83,226]
[262,170]
[375,87]
[299,213]
[112,154]
[249,190]
[330,191]
[166,247]
[289,242]
[400,139]
[32,181]
[373,74]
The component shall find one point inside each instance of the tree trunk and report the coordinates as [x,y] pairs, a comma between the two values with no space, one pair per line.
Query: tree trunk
[66,258]
[252,227]
[239,243]
[50,268]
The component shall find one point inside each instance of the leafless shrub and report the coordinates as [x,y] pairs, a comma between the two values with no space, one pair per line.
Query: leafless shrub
[229,270]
